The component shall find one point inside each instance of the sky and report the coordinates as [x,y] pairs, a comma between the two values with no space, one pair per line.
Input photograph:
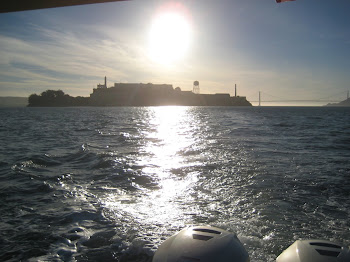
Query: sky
[296,50]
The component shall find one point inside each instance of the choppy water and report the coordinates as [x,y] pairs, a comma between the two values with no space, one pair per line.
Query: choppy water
[111,184]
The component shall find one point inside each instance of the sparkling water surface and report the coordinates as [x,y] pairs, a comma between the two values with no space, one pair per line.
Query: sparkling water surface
[111,184]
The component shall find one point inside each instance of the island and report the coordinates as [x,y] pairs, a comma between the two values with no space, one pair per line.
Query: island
[136,94]
[344,103]
[56,98]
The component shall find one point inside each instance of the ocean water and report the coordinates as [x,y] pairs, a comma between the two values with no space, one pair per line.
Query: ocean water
[111,184]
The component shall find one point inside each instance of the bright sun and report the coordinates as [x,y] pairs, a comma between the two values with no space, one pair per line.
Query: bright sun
[169,38]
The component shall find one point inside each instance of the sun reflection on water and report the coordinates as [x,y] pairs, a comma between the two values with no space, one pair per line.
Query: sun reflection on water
[168,132]
[172,133]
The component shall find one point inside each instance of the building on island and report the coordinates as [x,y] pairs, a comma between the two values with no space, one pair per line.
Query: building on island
[103,85]
[139,94]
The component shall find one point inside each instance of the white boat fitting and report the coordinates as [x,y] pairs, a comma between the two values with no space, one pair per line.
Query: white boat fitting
[211,244]
[315,251]
[201,243]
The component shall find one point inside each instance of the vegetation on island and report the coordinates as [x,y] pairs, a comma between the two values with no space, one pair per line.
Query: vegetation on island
[56,98]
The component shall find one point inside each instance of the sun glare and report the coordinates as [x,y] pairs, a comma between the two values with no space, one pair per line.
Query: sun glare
[170,131]
[169,37]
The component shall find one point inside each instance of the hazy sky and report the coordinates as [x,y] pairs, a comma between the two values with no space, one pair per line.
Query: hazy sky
[292,50]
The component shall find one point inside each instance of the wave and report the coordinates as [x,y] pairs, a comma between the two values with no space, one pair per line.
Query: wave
[110,187]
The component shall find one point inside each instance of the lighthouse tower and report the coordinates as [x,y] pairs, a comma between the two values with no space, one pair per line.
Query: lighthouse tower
[103,85]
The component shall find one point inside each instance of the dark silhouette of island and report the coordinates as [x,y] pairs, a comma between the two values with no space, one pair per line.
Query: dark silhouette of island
[137,94]
[56,98]
[342,103]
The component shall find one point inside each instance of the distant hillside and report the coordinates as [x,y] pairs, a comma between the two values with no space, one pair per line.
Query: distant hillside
[342,103]
[13,101]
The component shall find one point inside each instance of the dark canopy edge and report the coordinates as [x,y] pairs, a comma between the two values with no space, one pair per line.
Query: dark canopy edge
[23,5]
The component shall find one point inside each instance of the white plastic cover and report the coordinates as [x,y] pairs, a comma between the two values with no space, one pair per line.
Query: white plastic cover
[202,243]
[314,251]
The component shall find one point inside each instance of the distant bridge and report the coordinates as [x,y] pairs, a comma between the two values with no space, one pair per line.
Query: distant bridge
[299,100]
[275,99]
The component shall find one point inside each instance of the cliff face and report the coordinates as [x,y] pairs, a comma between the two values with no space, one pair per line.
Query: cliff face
[157,95]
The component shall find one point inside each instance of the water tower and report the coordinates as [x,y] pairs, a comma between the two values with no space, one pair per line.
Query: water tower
[196,87]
